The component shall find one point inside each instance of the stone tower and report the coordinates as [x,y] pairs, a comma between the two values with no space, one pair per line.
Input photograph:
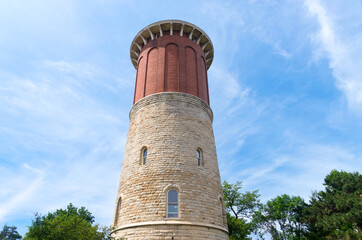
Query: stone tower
[170,183]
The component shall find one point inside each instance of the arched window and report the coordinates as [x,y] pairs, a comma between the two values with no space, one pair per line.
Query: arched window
[199,157]
[144,156]
[172,204]
[222,212]
[119,204]
[118,211]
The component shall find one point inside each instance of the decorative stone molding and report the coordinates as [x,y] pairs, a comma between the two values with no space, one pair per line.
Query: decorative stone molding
[171,96]
[171,27]
[141,224]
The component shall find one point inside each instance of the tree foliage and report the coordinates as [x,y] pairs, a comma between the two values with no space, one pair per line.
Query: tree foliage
[9,233]
[281,218]
[336,212]
[240,208]
[66,224]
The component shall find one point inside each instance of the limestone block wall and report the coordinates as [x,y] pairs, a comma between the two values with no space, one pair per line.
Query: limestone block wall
[172,126]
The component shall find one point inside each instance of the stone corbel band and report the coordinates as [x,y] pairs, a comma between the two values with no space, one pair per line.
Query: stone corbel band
[172,27]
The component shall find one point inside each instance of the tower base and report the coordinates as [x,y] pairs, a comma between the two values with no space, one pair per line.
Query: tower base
[170,231]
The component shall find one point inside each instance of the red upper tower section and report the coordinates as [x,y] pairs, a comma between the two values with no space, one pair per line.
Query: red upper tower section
[172,56]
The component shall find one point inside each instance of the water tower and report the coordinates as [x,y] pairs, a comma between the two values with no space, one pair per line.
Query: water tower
[170,182]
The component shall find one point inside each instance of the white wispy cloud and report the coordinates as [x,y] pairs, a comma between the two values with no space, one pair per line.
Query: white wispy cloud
[282,52]
[26,181]
[78,69]
[74,139]
[244,116]
[261,173]
[299,172]
[343,49]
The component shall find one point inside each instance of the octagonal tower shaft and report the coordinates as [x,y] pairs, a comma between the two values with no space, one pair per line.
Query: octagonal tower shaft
[170,144]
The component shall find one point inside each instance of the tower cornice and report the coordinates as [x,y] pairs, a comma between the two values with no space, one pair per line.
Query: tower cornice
[171,27]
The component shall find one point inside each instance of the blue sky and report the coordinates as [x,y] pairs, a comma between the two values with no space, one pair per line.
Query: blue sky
[285,88]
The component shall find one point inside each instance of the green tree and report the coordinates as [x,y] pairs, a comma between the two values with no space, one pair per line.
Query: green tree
[9,233]
[240,208]
[336,212]
[281,217]
[66,224]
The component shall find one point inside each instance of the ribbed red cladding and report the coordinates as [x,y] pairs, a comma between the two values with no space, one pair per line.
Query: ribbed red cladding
[171,63]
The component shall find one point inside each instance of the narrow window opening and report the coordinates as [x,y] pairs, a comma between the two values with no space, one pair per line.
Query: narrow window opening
[172,204]
[144,156]
[118,211]
[199,157]
[222,212]
[119,205]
